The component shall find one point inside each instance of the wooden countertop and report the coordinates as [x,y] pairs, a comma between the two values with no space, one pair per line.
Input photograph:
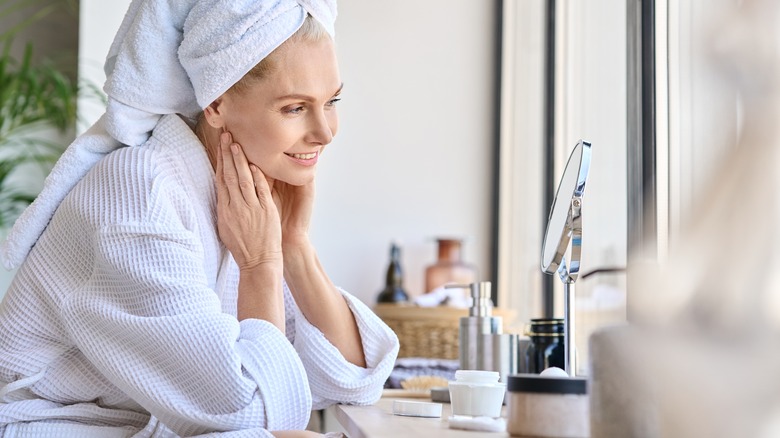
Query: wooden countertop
[378,421]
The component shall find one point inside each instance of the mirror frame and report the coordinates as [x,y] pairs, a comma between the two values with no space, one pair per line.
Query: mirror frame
[568,203]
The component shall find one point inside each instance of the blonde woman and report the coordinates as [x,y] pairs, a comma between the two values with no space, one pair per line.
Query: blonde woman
[173,290]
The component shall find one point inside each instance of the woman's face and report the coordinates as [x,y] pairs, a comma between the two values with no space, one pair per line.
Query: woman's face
[284,121]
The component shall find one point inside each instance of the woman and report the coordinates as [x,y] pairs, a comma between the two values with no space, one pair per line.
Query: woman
[174,290]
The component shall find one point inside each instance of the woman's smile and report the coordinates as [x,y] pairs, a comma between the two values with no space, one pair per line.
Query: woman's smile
[307,159]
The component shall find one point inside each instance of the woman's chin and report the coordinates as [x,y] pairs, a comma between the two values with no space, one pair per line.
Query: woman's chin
[297,180]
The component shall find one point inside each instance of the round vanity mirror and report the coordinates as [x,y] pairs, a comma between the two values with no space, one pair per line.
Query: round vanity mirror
[564,226]
[563,221]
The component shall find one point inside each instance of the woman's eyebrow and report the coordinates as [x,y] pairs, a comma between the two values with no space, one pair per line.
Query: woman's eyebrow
[305,97]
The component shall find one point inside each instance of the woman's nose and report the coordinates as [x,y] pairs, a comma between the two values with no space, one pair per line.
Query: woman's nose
[320,129]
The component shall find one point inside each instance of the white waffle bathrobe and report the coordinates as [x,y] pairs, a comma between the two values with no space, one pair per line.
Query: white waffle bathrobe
[122,320]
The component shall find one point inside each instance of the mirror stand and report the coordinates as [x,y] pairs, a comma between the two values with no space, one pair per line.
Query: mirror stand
[570,359]
[564,234]
[568,276]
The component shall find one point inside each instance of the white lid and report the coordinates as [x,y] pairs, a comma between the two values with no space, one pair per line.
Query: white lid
[476,376]
[416,408]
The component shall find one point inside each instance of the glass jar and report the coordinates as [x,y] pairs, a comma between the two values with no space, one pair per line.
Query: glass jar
[449,267]
[547,347]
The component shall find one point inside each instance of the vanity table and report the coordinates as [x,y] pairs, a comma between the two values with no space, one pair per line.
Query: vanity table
[378,421]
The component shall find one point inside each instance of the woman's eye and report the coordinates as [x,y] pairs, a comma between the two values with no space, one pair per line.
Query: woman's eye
[333,101]
[294,110]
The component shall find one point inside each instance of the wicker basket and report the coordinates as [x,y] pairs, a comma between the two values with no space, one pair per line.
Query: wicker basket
[430,332]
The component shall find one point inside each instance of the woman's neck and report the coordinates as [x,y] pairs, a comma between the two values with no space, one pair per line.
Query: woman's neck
[209,137]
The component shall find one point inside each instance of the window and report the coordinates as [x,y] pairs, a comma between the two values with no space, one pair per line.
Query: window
[636,79]
[546,108]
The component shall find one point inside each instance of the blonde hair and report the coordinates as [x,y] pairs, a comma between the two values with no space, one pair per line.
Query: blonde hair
[310,30]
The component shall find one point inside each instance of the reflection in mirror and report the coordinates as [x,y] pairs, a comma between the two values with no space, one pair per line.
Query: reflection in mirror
[564,227]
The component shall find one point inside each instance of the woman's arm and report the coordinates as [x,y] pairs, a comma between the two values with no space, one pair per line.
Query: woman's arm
[332,378]
[320,302]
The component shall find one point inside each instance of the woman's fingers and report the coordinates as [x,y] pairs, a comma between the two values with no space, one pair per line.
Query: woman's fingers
[229,176]
[245,181]
[223,195]
[235,171]
[262,189]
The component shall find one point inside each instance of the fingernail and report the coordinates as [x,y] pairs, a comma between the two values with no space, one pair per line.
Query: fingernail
[234,148]
[253,168]
[224,137]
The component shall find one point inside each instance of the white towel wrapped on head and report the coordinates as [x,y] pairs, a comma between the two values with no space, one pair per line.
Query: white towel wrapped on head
[168,57]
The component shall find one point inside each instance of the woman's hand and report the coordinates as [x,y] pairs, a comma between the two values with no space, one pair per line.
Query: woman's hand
[247,217]
[248,225]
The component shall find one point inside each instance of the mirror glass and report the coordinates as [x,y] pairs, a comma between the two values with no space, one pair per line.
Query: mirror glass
[559,222]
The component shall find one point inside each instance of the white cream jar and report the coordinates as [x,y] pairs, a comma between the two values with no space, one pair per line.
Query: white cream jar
[477,393]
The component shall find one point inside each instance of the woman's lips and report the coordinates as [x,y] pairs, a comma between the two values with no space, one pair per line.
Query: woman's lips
[307,159]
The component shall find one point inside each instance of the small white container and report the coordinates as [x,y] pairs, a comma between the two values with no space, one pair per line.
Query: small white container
[477,393]
[410,408]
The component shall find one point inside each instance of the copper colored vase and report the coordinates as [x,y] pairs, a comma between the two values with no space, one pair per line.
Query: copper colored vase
[449,267]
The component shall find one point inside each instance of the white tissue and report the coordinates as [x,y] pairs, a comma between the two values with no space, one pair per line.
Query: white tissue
[484,424]
[453,297]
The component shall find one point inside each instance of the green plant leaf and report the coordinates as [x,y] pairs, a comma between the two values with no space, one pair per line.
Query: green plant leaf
[30,94]
[33,98]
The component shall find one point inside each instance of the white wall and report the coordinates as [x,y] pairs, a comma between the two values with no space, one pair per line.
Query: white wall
[413,158]
[98,23]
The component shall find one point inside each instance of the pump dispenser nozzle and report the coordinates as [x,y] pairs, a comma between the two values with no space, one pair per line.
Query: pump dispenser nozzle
[472,328]
[480,296]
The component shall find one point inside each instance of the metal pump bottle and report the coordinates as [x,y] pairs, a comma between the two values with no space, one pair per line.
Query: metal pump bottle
[472,328]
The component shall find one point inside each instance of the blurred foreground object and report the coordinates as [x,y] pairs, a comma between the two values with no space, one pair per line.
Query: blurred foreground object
[700,358]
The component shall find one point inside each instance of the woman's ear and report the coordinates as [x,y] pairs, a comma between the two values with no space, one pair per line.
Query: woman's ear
[213,114]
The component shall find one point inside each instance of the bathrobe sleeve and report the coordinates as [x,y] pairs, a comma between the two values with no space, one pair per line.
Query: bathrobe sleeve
[332,378]
[148,321]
